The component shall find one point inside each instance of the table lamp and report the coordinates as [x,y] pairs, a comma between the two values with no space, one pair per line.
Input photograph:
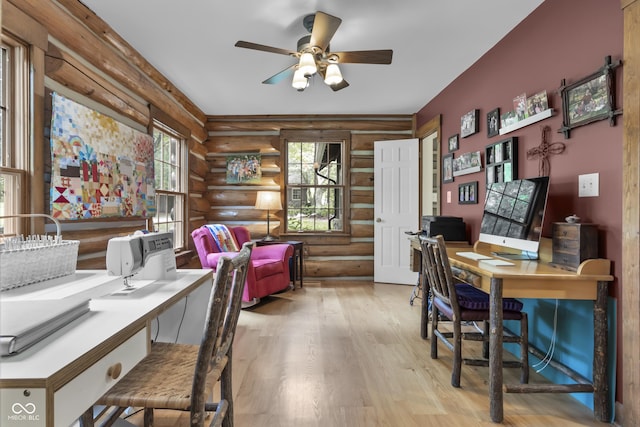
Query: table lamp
[269,200]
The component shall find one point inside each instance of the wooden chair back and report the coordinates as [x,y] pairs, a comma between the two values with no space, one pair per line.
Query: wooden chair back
[220,324]
[437,270]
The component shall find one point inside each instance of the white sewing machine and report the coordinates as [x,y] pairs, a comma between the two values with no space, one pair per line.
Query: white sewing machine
[147,256]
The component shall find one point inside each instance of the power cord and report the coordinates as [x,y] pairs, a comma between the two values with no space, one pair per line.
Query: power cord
[552,345]
[184,312]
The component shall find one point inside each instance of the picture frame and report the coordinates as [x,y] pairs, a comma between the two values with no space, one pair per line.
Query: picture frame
[537,103]
[493,122]
[590,99]
[470,123]
[243,168]
[447,168]
[467,163]
[454,143]
[468,193]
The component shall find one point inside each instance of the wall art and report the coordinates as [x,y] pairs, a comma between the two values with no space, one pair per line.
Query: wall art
[470,123]
[453,143]
[590,99]
[244,168]
[447,168]
[99,166]
[467,163]
[493,122]
[468,193]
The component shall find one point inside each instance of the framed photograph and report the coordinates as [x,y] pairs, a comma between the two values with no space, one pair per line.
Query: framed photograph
[537,103]
[493,122]
[467,163]
[520,106]
[590,99]
[468,193]
[447,168]
[453,143]
[243,169]
[470,123]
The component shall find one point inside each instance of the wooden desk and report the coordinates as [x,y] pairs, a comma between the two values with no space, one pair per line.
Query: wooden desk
[56,380]
[538,279]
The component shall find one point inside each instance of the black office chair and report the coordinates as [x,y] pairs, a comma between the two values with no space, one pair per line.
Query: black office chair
[461,302]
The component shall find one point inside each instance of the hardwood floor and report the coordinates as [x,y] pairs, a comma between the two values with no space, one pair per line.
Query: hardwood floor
[350,354]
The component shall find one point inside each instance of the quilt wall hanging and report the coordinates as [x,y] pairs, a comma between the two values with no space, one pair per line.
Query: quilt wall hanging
[99,167]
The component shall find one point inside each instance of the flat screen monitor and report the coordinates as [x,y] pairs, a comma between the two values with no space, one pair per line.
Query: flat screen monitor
[513,215]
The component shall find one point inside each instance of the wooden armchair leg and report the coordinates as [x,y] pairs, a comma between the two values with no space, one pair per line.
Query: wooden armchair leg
[434,328]
[148,417]
[226,391]
[457,354]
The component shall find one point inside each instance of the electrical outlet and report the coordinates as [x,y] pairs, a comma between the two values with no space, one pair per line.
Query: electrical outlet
[589,185]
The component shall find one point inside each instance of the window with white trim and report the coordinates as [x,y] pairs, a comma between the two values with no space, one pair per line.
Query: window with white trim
[316,183]
[14,125]
[170,156]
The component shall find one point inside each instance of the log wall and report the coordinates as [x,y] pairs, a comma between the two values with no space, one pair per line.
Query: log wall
[83,58]
[324,257]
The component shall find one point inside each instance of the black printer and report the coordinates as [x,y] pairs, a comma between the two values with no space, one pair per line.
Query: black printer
[452,228]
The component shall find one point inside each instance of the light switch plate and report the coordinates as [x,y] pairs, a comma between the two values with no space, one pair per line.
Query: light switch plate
[589,185]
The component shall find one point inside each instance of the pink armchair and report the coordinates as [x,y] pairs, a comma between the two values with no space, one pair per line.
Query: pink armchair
[268,267]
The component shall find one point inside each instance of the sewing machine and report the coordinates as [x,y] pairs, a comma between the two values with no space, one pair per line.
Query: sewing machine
[147,256]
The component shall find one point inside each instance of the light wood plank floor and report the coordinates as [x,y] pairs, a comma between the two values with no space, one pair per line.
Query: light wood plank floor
[350,354]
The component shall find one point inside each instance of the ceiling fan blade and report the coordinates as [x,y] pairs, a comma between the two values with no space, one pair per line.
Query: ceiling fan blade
[287,73]
[364,56]
[256,46]
[324,27]
[339,86]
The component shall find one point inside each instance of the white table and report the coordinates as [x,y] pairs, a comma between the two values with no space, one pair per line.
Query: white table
[56,380]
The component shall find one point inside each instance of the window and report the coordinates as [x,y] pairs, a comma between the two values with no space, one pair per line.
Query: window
[170,164]
[315,183]
[14,79]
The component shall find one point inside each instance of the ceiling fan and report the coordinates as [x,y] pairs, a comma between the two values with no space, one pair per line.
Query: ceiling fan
[313,55]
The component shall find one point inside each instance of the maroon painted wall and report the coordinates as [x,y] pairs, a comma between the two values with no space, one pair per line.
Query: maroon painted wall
[566,39]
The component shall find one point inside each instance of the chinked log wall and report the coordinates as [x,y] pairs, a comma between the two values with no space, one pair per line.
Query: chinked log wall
[86,60]
[233,204]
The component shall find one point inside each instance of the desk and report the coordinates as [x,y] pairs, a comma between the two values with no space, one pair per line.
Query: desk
[538,279]
[57,379]
[297,272]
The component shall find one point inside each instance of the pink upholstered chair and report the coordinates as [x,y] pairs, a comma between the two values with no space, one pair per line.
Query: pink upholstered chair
[268,268]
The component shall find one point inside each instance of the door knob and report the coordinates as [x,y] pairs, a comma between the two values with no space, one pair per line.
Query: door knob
[378,219]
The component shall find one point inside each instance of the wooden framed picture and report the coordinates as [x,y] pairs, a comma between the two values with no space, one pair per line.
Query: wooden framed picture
[447,168]
[470,123]
[590,99]
[493,122]
[468,193]
[453,143]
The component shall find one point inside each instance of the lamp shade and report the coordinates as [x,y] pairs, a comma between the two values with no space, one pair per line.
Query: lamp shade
[268,200]
[307,65]
[333,76]
[300,82]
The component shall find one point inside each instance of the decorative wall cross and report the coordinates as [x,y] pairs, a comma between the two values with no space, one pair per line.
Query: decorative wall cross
[543,151]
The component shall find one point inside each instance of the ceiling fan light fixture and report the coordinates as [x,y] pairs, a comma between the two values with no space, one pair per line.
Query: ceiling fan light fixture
[333,75]
[307,65]
[300,82]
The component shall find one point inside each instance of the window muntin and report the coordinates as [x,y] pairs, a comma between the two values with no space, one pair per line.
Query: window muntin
[169,165]
[315,186]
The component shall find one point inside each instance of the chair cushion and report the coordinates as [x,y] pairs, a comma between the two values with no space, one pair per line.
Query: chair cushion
[472,298]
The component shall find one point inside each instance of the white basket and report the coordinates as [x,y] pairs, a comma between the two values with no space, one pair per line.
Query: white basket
[34,263]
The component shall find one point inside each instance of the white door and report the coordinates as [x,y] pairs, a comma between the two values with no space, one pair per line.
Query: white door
[396,204]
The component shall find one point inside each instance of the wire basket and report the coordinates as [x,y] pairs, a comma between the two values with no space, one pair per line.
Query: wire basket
[24,261]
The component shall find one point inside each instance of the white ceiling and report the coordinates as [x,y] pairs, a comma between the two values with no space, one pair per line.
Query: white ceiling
[191,42]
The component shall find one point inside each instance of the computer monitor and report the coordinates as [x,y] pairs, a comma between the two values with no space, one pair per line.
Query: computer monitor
[513,216]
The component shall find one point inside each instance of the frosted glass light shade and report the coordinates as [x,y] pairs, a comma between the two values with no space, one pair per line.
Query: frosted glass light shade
[299,82]
[307,65]
[333,75]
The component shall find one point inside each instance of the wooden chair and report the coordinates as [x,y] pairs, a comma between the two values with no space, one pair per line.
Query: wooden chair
[461,302]
[179,376]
